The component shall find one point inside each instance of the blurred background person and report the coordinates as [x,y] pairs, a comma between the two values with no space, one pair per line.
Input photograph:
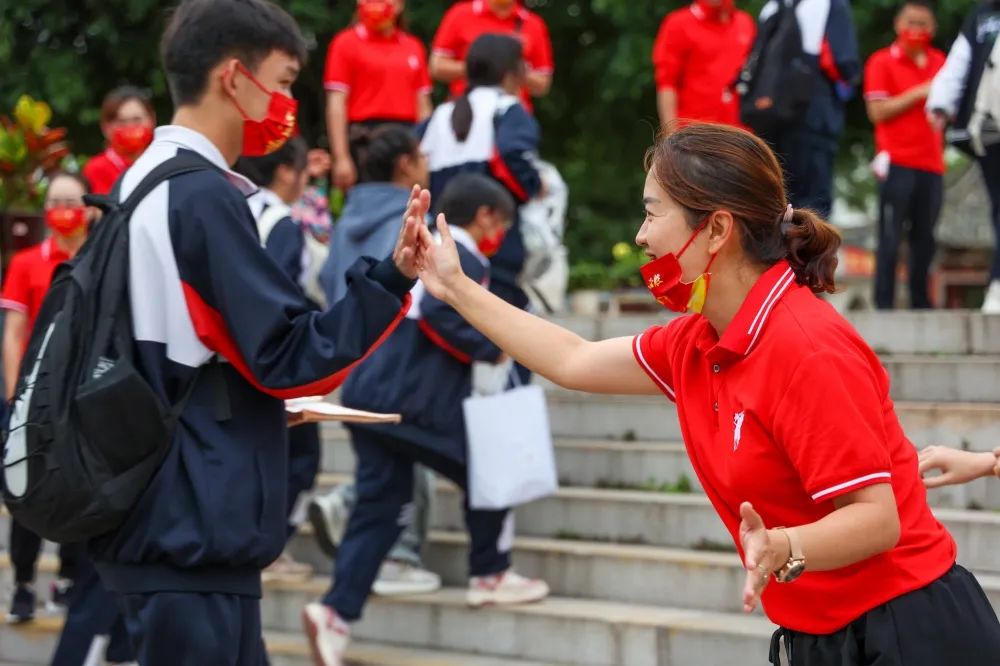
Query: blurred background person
[127,122]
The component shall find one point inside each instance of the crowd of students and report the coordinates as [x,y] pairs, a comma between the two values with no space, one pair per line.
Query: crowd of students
[241,297]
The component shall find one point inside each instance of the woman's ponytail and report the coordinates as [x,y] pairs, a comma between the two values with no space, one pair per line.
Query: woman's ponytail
[461,117]
[812,245]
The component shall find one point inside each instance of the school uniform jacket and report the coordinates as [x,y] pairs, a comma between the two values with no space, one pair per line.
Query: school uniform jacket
[201,287]
[424,371]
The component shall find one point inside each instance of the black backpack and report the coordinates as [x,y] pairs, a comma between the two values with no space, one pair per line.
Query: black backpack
[86,431]
[778,78]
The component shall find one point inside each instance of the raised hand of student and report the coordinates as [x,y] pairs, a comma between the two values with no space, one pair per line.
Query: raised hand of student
[956,466]
[441,269]
[410,249]
[759,558]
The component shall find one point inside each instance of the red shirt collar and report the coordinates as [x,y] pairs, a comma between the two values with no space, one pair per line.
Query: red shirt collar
[479,7]
[116,160]
[366,34]
[52,252]
[744,330]
[897,51]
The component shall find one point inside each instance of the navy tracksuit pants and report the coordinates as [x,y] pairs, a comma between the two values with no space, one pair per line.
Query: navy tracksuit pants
[384,482]
[303,465]
[93,611]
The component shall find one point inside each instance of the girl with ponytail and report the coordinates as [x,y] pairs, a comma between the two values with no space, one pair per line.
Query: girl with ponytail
[784,409]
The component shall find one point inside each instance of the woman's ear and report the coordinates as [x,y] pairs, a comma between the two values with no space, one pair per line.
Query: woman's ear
[721,226]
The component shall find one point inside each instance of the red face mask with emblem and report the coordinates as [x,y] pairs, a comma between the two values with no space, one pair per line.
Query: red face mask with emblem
[663,279]
[130,140]
[263,137]
[714,10]
[377,15]
[66,220]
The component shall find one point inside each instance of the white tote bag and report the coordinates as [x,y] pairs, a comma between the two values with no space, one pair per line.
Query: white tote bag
[511,459]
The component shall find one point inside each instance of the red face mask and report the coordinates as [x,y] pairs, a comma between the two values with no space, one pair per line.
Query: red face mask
[915,40]
[491,244]
[130,140]
[262,137]
[663,279]
[66,220]
[377,15]
[713,11]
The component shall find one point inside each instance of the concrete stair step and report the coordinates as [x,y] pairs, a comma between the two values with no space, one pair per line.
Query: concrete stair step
[649,466]
[33,644]
[974,426]
[682,578]
[899,332]
[678,520]
[564,631]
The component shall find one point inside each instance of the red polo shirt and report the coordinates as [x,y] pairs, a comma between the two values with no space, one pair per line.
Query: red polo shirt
[29,277]
[466,21]
[910,140]
[788,410]
[381,75]
[101,171]
[700,58]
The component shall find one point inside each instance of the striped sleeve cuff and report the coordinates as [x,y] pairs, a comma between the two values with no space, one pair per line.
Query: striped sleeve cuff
[447,53]
[873,95]
[640,357]
[853,484]
[337,86]
[16,306]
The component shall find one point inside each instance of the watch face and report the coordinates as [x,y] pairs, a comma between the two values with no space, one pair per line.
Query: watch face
[795,570]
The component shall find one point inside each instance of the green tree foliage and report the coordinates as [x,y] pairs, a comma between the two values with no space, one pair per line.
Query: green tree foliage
[597,122]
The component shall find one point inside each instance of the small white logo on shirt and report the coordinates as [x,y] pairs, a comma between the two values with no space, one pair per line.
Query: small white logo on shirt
[414,62]
[737,429]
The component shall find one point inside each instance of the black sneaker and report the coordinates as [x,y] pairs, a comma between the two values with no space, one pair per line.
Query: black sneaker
[59,595]
[22,608]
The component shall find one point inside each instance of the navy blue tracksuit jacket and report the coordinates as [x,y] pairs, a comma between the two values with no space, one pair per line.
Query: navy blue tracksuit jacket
[202,287]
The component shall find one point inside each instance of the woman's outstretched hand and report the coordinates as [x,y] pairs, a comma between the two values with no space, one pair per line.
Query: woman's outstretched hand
[441,270]
[759,556]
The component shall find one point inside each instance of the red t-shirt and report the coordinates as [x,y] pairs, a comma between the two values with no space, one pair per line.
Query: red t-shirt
[788,410]
[382,76]
[101,171]
[909,139]
[29,277]
[700,58]
[466,21]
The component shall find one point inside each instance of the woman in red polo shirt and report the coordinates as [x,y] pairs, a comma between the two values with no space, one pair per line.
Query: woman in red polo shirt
[127,121]
[784,408]
[376,73]
[26,284]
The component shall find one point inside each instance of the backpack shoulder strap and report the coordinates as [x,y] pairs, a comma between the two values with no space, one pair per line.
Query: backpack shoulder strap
[269,219]
[184,162]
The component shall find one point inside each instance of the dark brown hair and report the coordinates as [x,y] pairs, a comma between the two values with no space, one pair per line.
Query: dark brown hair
[114,100]
[706,167]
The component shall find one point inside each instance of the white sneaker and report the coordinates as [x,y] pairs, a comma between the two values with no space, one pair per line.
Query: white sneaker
[396,579]
[328,516]
[328,635]
[991,304]
[504,589]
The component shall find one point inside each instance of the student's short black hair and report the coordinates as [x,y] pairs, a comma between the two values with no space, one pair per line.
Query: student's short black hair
[466,193]
[202,33]
[261,170]
[376,151]
[929,5]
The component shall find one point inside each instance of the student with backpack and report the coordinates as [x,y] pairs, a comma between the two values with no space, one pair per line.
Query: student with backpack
[488,131]
[424,372]
[952,102]
[179,380]
[801,72]
[27,281]
[910,152]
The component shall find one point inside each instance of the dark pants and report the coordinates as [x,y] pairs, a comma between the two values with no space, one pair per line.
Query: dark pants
[93,611]
[25,546]
[909,202]
[303,464]
[191,629]
[807,159]
[990,165]
[384,483]
[948,622]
